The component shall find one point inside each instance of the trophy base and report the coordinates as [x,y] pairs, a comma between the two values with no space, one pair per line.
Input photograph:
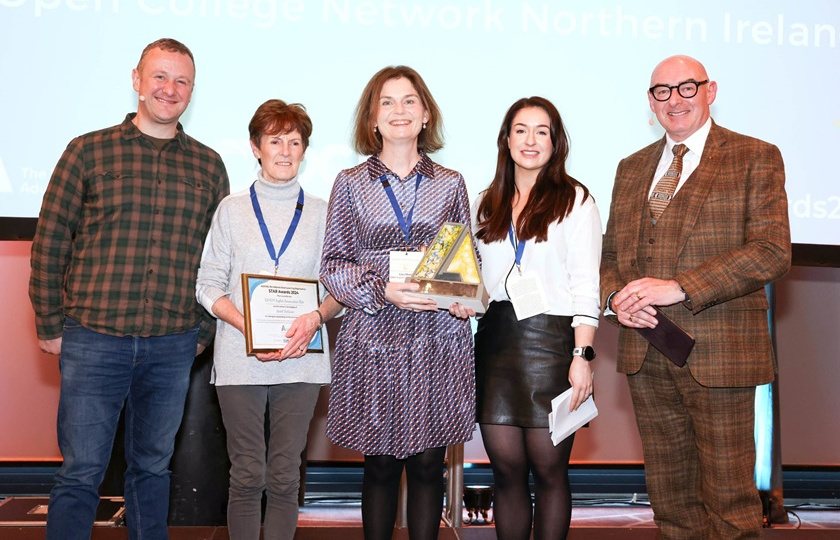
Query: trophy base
[445,293]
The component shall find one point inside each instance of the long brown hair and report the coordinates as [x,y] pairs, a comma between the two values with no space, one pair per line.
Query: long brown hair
[366,141]
[553,195]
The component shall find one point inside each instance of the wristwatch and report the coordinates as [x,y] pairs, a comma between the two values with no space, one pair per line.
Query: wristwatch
[587,353]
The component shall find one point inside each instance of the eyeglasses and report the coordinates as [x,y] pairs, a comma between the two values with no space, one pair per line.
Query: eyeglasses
[687,89]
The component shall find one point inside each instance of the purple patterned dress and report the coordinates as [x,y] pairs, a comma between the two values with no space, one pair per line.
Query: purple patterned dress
[402,382]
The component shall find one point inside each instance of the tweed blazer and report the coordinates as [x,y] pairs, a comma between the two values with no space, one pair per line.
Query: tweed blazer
[731,237]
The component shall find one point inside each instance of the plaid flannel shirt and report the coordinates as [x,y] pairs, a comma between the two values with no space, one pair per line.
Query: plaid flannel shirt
[121,232]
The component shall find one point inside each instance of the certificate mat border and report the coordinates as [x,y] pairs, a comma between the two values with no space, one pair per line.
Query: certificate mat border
[246,308]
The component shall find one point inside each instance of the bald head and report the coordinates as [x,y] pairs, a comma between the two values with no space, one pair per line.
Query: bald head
[678,62]
[681,116]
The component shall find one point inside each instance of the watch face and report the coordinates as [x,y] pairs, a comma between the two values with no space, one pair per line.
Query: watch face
[588,353]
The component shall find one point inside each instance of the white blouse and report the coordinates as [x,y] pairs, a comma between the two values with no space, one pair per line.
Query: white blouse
[567,263]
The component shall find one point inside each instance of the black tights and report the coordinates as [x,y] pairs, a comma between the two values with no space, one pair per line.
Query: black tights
[380,490]
[513,451]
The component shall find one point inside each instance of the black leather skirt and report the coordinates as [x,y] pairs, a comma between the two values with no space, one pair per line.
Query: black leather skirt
[520,366]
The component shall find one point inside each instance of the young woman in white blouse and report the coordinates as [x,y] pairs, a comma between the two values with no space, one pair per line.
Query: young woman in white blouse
[539,234]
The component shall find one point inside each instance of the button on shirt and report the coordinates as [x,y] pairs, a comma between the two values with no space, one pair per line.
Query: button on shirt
[120,234]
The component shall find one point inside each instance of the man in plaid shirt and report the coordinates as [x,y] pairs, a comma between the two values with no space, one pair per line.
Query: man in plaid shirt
[114,261]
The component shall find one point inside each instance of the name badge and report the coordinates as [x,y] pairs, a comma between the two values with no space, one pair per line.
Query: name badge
[526,294]
[403,264]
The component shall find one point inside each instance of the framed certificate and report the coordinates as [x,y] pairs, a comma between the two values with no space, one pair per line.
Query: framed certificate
[271,304]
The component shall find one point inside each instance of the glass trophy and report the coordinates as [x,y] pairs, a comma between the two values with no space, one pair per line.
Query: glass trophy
[449,270]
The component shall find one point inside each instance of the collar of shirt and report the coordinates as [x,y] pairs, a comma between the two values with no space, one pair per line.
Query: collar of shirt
[130,131]
[695,143]
[376,168]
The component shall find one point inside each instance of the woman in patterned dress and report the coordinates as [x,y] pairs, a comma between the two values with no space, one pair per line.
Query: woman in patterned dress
[403,385]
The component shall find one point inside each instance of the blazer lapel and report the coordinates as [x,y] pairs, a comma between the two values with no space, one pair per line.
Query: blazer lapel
[698,186]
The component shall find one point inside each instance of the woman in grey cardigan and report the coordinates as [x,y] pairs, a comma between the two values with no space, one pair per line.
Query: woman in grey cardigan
[246,227]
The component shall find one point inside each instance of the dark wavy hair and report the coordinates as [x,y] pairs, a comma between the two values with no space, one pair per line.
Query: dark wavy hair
[367,141]
[553,195]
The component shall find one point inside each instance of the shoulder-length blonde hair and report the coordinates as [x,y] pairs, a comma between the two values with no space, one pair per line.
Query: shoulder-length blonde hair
[367,141]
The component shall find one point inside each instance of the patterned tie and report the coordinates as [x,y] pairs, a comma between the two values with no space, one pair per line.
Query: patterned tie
[667,185]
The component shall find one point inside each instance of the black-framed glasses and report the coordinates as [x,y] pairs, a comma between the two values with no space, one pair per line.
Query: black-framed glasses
[686,89]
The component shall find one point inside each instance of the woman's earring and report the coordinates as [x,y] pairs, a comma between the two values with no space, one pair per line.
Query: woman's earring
[375,129]
[424,125]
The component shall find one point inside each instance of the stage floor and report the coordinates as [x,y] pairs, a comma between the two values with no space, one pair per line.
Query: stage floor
[325,520]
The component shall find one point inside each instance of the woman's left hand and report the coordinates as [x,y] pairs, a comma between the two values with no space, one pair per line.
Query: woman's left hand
[400,295]
[300,335]
[582,380]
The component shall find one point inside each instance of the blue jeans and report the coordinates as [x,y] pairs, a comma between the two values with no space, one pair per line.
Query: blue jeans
[99,374]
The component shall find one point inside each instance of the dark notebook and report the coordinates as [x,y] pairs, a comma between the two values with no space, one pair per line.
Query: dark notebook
[669,339]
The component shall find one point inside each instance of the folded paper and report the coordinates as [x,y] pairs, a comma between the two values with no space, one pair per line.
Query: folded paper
[562,422]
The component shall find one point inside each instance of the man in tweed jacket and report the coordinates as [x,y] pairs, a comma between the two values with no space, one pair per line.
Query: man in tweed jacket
[704,262]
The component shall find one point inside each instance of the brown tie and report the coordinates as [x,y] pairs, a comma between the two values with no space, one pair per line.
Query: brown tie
[667,185]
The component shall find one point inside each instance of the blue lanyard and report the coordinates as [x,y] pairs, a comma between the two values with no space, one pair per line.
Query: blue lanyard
[267,236]
[405,223]
[518,247]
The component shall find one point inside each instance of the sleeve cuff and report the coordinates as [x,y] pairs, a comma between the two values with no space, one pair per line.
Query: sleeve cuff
[607,309]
